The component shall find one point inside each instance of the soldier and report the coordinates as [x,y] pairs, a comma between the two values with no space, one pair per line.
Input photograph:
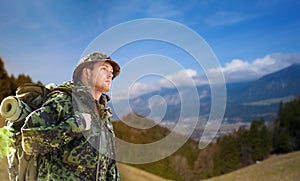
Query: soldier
[71,135]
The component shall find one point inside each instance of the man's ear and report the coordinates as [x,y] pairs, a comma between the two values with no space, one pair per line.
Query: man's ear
[87,73]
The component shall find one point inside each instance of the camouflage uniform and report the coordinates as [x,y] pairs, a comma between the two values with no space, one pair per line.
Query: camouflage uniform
[56,134]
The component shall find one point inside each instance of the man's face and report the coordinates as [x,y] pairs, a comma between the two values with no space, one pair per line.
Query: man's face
[101,76]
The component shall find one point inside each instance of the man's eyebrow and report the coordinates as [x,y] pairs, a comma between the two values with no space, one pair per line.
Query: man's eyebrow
[107,66]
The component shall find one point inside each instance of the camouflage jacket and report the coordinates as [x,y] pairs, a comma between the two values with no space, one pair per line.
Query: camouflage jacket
[66,147]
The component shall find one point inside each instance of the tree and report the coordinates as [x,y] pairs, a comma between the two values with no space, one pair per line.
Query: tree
[22,79]
[228,157]
[245,147]
[259,140]
[5,83]
[286,129]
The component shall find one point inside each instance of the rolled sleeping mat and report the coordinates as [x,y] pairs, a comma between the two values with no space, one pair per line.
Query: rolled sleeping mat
[13,109]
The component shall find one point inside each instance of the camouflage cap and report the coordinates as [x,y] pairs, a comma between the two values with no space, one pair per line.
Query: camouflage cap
[93,58]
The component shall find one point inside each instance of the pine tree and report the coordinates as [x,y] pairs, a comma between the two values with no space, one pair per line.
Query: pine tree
[22,79]
[228,157]
[5,84]
[245,147]
[260,140]
[286,129]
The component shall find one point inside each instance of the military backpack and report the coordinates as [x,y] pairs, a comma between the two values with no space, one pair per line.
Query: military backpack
[15,109]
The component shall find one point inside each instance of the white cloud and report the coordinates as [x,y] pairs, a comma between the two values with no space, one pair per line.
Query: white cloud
[234,71]
[181,78]
[235,65]
[242,70]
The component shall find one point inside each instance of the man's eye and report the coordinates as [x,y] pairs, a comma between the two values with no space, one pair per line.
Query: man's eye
[106,69]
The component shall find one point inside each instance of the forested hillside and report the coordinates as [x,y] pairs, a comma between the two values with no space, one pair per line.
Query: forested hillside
[239,149]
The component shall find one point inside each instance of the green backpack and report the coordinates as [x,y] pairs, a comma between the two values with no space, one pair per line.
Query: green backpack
[14,109]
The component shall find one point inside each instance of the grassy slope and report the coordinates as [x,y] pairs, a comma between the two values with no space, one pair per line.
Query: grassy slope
[282,167]
[3,170]
[129,173]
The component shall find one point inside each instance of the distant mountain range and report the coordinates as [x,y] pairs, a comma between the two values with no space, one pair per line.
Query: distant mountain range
[245,100]
[260,98]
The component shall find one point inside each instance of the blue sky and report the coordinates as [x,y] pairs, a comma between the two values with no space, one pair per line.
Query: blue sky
[45,39]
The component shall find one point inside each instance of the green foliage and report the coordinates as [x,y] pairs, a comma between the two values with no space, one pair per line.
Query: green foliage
[241,148]
[228,157]
[259,140]
[286,129]
[5,141]
[5,82]
[243,139]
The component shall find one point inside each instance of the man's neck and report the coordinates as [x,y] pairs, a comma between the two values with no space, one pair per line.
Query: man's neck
[95,93]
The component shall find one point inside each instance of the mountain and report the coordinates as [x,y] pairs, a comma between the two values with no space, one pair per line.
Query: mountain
[278,84]
[245,100]
[260,98]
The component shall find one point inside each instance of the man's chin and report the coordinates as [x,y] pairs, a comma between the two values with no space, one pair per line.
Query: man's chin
[106,90]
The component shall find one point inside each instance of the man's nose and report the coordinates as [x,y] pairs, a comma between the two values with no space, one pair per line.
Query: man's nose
[110,74]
